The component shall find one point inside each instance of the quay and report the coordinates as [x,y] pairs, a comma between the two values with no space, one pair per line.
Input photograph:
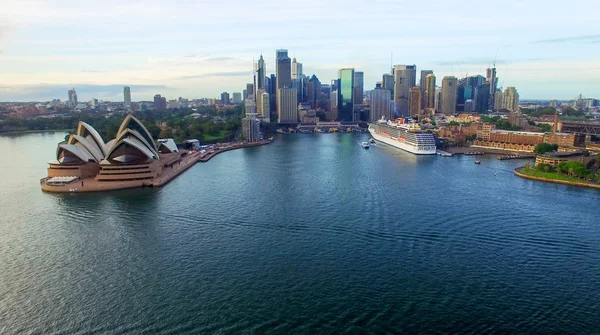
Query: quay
[507,157]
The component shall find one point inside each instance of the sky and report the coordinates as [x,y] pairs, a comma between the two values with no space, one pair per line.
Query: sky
[547,49]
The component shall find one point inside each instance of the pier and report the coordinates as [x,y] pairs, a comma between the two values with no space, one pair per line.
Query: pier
[518,156]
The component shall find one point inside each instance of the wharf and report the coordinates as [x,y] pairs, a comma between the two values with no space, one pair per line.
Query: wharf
[507,157]
[444,153]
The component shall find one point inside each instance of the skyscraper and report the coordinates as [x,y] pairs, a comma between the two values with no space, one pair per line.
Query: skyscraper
[287,105]
[438,99]
[72,98]
[510,99]
[127,96]
[250,91]
[482,94]
[236,97]
[491,79]
[449,91]
[313,88]
[414,101]
[157,101]
[225,98]
[388,83]
[359,88]
[263,104]
[405,77]
[259,74]
[498,100]
[380,104]
[251,126]
[345,94]
[430,91]
[250,106]
[296,69]
[273,92]
[424,74]
[283,69]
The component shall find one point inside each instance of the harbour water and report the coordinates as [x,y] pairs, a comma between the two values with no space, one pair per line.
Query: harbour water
[310,234]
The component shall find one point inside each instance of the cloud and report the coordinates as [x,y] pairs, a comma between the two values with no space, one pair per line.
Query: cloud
[216,74]
[46,92]
[219,59]
[485,61]
[583,39]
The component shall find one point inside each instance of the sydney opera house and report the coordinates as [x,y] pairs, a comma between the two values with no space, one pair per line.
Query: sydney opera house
[85,163]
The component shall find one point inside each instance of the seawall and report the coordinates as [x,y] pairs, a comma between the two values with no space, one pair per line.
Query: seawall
[556,181]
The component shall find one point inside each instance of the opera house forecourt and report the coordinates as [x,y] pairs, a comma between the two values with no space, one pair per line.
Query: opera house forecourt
[85,163]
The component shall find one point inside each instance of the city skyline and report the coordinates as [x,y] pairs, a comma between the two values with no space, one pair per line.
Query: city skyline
[39,54]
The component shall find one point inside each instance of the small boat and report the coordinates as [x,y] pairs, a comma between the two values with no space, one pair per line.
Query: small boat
[477,162]
[365,145]
[372,140]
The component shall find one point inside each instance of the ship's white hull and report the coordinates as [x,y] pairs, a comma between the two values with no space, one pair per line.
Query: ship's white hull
[400,144]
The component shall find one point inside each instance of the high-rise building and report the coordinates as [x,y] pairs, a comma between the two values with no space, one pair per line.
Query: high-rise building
[405,77]
[380,104]
[388,83]
[359,87]
[263,103]
[510,100]
[298,84]
[469,105]
[259,74]
[250,106]
[157,101]
[296,69]
[492,80]
[251,126]
[498,101]
[482,94]
[438,99]
[345,94]
[430,91]
[250,91]
[236,97]
[313,88]
[283,69]
[127,96]
[475,81]
[414,101]
[72,99]
[225,98]
[287,105]
[422,85]
[273,92]
[244,94]
[449,91]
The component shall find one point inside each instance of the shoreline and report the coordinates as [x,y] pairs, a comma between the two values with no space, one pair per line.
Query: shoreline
[518,173]
[32,131]
[168,174]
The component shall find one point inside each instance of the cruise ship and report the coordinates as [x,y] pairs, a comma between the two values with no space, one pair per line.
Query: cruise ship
[405,136]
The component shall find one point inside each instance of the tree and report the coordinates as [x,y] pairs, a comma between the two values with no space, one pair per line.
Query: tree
[546,128]
[546,168]
[562,167]
[527,166]
[166,133]
[542,148]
